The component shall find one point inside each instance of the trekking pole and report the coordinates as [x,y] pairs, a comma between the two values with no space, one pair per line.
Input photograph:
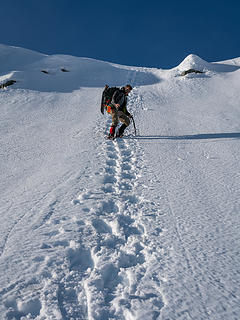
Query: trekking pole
[135,131]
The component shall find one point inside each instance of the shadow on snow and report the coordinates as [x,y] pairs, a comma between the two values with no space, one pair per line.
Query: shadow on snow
[204,136]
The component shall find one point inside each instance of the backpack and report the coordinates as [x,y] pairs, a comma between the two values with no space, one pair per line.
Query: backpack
[107,96]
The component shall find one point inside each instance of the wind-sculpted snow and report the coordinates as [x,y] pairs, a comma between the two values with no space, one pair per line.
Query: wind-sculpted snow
[144,227]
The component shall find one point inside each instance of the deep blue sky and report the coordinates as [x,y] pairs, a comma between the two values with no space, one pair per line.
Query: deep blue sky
[141,33]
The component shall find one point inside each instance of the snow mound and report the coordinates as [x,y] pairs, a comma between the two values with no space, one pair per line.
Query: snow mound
[193,61]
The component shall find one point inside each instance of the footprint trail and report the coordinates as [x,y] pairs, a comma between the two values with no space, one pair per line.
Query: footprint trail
[115,285]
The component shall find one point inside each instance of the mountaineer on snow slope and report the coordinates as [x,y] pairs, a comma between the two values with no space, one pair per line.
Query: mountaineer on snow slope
[114,100]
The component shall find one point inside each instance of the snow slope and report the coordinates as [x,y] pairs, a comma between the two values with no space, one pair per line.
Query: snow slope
[146,227]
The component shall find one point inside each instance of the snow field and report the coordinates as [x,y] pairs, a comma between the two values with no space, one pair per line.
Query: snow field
[200,182]
[143,227]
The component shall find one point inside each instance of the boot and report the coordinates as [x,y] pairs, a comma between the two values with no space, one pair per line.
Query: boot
[121,130]
[112,132]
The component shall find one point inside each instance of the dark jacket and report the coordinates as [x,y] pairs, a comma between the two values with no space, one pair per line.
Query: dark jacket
[119,97]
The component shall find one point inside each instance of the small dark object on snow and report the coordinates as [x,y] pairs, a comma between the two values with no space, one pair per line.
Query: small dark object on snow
[44,71]
[64,70]
[184,73]
[7,84]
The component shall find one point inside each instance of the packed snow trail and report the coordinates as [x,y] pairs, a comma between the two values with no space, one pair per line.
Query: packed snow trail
[144,227]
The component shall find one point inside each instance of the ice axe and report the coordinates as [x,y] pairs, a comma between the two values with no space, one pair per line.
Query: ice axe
[135,131]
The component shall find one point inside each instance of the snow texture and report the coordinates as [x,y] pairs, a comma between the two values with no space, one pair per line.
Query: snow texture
[144,227]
